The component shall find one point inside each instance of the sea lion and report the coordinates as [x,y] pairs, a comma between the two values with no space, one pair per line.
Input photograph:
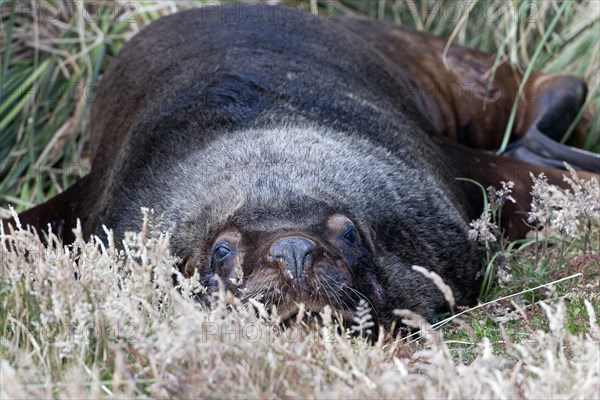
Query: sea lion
[306,160]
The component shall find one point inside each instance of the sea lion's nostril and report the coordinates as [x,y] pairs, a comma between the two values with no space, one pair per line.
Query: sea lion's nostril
[295,253]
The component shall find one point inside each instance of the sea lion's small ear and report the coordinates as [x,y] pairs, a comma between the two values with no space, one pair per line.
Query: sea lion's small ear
[372,233]
[60,212]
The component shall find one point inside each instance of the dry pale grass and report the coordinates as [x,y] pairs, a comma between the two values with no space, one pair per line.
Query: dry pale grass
[90,321]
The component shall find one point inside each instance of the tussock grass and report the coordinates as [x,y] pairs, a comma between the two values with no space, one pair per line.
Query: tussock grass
[94,322]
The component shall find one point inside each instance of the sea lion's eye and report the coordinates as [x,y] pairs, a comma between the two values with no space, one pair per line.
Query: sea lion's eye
[221,252]
[350,236]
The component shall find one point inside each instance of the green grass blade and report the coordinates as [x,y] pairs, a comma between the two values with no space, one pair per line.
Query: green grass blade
[528,71]
[22,88]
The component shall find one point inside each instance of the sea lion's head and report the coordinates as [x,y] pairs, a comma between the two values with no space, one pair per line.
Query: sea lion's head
[283,222]
[305,214]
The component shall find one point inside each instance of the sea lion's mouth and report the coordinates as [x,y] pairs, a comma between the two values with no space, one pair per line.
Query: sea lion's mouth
[349,292]
[291,313]
[287,301]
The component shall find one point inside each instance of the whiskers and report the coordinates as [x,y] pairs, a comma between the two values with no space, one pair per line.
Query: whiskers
[322,288]
[265,289]
[340,295]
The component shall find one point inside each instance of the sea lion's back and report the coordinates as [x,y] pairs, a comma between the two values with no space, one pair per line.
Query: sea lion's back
[222,69]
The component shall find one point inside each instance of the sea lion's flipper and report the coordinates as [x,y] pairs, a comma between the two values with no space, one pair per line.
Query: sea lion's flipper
[560,100]
[466,98]
[60,212]
[556,104]
[539,149]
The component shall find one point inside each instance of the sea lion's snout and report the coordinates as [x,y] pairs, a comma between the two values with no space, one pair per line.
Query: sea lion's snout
[295,255]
